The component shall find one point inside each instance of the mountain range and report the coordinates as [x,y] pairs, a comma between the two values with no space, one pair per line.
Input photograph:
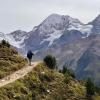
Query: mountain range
[72,42]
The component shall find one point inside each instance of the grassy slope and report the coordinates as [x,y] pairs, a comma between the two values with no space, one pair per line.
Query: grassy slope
[10,61]
[44,84]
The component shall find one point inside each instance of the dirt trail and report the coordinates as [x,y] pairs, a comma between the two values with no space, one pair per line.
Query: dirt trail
[17,75]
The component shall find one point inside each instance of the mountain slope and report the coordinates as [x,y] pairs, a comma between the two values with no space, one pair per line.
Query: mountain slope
[10,60]
[83,56]
[54,27]
[44,84]
[89,63]
[96,25]
[17,74]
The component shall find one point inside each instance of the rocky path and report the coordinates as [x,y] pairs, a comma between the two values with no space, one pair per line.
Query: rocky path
[17,75]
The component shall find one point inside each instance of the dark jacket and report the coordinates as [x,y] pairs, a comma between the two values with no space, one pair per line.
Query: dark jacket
[29,54]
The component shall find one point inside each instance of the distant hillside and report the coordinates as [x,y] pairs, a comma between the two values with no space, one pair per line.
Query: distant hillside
[10,60]
[44,84]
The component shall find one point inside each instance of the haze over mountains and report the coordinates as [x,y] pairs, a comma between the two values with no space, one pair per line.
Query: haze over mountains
[71,41]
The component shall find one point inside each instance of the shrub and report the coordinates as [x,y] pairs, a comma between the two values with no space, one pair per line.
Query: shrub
[97,89]
[90,87]
[5,43]
[50,61]
[65,70]
[66,78]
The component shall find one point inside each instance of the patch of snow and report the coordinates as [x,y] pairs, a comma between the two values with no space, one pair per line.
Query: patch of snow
[51,37]
[75,24]
[13,42]
[82,28]
[34,28]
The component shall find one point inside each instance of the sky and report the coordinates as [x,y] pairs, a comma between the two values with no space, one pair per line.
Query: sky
[25,14]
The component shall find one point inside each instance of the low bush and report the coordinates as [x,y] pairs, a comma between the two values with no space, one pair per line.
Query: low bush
[90,88]
[50,61]
[65,70]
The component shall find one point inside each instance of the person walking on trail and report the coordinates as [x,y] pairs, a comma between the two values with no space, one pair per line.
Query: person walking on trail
[29,56]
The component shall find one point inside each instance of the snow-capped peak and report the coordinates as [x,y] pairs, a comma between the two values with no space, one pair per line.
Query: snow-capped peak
[96,25]
[17,38]
[59,19]
[61,22]
[51,29]
[55,19]
[97,18]
[51,23]
[58,22]
[54,25]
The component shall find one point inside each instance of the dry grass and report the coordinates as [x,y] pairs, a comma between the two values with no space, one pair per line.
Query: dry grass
[43,84]
[10,61]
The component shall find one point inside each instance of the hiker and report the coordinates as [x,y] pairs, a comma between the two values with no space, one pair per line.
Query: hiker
[29,56]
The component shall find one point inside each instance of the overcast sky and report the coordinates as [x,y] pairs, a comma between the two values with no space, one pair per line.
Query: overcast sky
[25,14]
